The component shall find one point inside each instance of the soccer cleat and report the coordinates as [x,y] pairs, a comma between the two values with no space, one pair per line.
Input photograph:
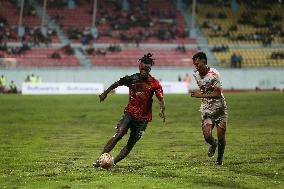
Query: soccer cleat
[219,161]
[96,164]
[212,149]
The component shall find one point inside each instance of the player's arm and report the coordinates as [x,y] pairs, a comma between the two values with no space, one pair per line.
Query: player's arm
[122,81]
[216,89]
[216,93]
[160,97]
[110,88]
[162,109]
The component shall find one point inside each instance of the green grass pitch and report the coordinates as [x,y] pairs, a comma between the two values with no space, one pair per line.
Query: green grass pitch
[51,142]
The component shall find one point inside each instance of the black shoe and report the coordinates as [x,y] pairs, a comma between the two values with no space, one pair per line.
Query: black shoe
[219,161]
[212,149]
[96,164]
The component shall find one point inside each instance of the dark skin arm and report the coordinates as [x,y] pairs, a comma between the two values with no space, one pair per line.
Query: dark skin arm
[162,109]
[198,94]
[105,93]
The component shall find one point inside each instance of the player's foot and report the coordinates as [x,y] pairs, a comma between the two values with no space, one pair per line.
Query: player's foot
[219,161]
[96,164]
[212,149]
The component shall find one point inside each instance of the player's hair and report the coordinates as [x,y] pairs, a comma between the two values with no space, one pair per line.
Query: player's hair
[147,59]
[200,56]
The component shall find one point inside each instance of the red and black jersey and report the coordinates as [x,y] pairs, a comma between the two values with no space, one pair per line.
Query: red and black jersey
[141,93]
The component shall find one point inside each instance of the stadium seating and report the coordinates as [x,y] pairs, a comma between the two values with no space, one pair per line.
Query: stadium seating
[229,28]
[261,57]
[245,31]
[81,18]
[219,24]
[129,57]
[41,57]
[10,12]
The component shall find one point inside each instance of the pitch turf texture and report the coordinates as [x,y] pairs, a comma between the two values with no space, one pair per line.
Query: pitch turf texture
[51,142]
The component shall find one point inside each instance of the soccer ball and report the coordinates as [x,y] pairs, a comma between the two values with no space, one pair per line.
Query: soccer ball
[106,161]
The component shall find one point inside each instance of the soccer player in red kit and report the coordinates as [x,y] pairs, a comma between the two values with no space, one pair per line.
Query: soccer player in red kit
[138,112]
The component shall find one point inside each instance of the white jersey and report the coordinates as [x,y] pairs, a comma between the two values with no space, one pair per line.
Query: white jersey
[207,84]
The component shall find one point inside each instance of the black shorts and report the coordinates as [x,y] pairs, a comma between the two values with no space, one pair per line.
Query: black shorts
[128,121]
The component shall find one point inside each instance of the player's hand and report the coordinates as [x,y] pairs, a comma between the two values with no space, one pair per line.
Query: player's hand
[162,115]
[196,94]
[102,96]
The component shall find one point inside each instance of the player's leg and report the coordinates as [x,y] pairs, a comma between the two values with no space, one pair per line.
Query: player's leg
[221,131]
[121,130]
[136,133]
[207,127]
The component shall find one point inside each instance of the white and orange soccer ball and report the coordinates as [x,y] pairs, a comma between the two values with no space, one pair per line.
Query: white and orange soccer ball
[106,161]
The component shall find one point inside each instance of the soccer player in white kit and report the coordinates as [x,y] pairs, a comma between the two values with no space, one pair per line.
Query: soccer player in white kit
[213,105]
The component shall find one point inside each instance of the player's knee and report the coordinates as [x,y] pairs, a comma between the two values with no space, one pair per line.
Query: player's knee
[133,141]
[119,135]
[221,133]
[206,126]
[140,134]
[120,132]
[207,133]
